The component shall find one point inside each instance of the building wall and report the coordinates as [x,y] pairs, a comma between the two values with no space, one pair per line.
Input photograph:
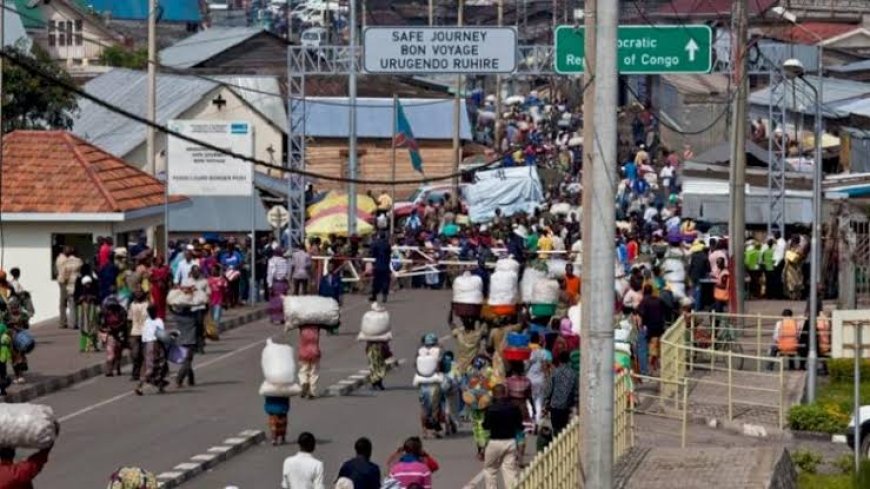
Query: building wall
[28,246]
[329,156]
[690,113]
[92,38]
[265,134]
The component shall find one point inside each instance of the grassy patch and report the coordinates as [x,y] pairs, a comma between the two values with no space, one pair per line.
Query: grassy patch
[832,410]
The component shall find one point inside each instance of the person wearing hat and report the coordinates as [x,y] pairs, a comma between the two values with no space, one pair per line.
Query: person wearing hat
[86,296]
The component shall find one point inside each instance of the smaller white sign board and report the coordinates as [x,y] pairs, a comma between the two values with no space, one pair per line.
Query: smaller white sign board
[440,50]
[197,170]
[843,332]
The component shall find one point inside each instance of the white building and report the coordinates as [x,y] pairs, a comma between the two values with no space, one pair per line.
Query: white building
[57,191]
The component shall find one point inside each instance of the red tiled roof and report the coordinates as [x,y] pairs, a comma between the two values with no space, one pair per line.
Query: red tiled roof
[798,35]
[56,172]
[711,7]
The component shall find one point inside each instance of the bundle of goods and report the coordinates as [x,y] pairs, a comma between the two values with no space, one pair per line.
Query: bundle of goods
[181,300]
[428,363]
[467,295]
[23,342]
[556,268]
[620,283]
[279,371]
[26,426]
[507,265]
[517,348]
[544,297]
[574,315]
[310,310]
[476,393]
[531,276]
[503,293]
[560,208]
[375,325]
[674,272]
[515,100]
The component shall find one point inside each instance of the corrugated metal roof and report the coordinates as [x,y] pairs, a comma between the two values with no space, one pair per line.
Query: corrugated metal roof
[172,10]
[223,214]
[126,89]
[257,90]
[857,132]
[712,84]
[205,45]
[851,67]
[13,28]
[836,93]
[31,17]
[810,32]
[858,107]
[328,117]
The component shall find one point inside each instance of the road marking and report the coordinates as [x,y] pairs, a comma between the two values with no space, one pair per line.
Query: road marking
[475,482]
[111,400]
[117,398]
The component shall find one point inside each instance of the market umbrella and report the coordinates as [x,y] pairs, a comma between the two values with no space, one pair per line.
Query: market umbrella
[363,202]
[341,209]
[335,224]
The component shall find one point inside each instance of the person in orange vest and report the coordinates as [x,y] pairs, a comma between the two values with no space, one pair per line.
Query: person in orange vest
[722,287]
[571,285]
[785,338]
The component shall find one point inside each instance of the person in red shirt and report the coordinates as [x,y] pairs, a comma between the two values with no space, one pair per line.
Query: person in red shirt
[632,249]
[20,475]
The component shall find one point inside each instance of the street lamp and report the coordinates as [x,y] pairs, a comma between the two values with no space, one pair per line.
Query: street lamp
[815,251]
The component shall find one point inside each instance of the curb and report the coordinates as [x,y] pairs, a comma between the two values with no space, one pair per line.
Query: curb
[216,455]
[55,384]
[347,386]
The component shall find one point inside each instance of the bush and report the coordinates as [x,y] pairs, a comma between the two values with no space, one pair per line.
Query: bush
[807,480]
[843,370]
[814,417]
[806,461]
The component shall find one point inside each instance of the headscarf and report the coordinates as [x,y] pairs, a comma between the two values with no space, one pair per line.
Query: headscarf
[132,478]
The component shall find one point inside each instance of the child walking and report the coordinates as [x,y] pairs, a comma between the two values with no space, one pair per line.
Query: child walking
[217,285]
[155,355]
[277,408]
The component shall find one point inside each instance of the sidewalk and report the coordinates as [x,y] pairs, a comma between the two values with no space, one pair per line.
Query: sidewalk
[56,363]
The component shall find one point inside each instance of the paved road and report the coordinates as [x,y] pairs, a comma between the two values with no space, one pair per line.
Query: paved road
[104,425]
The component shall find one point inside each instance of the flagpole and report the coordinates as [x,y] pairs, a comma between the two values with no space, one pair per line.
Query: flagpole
[393,162]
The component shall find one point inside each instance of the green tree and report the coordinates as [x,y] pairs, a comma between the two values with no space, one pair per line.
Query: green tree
[121,57]
[30,102]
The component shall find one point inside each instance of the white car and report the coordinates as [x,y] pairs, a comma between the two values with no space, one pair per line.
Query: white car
[863,439]
[218,4]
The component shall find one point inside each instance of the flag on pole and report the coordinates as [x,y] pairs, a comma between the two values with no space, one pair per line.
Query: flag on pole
[404,138]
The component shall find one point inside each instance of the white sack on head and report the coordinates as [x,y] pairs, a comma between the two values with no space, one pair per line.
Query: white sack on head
[556,268]
[546,291]
[26,425]
[531,276]
[375,322]
[279,390]
[574,315]
[560,209]
[503,288]
[507,265]
[278,363]
[427,366]
[310,309]
[468,289]
[388,336]
[419,380]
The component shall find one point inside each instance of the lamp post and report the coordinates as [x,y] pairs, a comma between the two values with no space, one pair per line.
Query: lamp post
[794,68]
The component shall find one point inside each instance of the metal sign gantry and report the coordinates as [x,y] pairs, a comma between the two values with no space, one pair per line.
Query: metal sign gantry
[532,61]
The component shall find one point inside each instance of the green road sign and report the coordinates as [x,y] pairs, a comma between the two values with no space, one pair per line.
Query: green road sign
[643,49]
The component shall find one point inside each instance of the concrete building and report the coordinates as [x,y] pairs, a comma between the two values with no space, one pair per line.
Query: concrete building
[231,98]
[58,190]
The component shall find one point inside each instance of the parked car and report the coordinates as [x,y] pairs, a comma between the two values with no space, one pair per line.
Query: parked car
[427,194]
[314,37]
[863,439]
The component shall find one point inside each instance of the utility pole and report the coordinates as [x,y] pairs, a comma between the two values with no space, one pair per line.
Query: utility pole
[599,221]
[152,87]
[457,115]
[737,175]
[2,96]
[498,109]
[351,147]
[431,13]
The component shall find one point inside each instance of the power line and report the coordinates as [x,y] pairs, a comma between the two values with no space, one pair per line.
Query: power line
[36,71]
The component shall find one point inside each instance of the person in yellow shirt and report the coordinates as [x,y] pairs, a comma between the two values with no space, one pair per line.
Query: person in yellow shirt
[545,243]
[385,202]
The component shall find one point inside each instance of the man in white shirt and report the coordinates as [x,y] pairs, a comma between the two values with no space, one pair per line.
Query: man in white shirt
[775,287]
[303,471]
[667,176]
[185,265]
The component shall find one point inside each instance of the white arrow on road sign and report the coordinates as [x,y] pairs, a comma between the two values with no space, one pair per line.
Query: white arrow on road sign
[692,48]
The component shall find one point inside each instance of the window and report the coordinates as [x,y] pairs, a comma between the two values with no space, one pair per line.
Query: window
[66,33]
